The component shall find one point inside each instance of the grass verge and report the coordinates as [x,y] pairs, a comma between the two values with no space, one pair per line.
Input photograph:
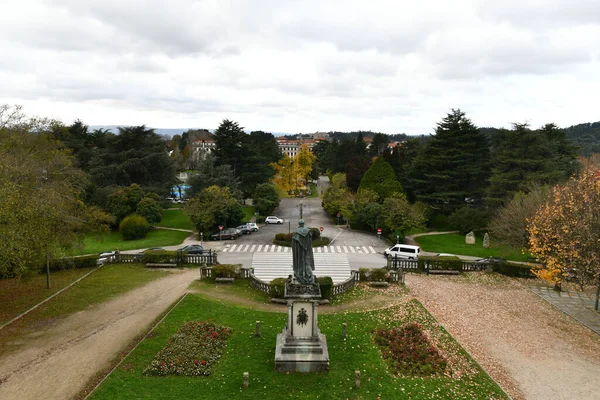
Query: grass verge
[247,353]
[248,213]
[113,240]
[176,219]
[109,281]
[455,243]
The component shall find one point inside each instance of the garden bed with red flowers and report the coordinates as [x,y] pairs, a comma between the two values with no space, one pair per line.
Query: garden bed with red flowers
[409,351]
[192,351]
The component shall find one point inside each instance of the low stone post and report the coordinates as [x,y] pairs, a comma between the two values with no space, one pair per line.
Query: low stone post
[246,378]
[357,379]
[486,241]
[257,333]
[344,325]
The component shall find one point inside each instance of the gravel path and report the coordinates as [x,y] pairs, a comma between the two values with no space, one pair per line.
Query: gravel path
[58,362]
[531,349]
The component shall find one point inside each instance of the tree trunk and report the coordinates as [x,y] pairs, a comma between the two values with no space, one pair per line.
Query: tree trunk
[47,272]
[597,297]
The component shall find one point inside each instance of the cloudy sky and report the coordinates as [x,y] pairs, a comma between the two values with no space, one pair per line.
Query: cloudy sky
[302,66]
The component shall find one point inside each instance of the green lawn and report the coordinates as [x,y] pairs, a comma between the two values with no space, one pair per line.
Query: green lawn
[313,191]
[455,243]
[113,240]
[248,213]
[247,353]
[105,283]
[176,219]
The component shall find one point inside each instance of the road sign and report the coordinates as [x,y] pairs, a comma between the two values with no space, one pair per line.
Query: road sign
[321,229]
[379,231]
[220,227]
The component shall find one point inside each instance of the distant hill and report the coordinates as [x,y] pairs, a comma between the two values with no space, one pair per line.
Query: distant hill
[170,132]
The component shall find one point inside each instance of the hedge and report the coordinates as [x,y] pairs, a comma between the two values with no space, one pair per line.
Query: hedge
[440,263]
[71,262]
[277,288]
[225,271]
[160,257]
[326,285]
[374,275]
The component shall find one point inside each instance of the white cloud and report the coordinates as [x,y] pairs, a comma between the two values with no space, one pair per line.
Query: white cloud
[301,66]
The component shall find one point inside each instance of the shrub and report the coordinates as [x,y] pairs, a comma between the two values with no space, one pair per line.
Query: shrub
[467,219]
[443,263]
[280,237]
[364,274]
[159,257]
[379,275]
[150,209]
[277,288]
[134,227]
[409,351]
[71,262]
[315,233]
[193,351]
[225,271]
[326,285]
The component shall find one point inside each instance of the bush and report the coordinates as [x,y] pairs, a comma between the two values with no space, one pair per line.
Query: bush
[315,233]
[379,275]
[326,285]
[150,209]
[277,288]
[160,257]
[409,351]
[193,351]
[513,269]
[281,237]
[225,271]
[442,263]
[134,227]
[467,219]
[58,264]
[363,274]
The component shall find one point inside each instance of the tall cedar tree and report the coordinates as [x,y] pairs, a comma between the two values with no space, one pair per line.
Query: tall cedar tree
[524,156]
[259,150]
[453,167]
[401,158]
[229,138]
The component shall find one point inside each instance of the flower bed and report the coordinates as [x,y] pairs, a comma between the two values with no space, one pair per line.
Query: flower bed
[192,351]
[409,351]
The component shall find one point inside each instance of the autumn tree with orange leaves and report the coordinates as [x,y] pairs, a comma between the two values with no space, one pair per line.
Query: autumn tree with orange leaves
[565,232]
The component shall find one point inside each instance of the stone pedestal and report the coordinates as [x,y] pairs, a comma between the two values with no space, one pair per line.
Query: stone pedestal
[301,347]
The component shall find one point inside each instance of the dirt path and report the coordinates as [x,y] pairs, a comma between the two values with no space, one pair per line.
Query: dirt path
[59,362]
[533,350]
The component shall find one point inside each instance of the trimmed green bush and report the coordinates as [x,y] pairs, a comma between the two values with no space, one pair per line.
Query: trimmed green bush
[276,290]
[441,263]
[134,227]
[225,271]
[513,269]
[71,262]
[379,275]
[160,257]
[150,209]
[326,285]
[316,233]
[280,237]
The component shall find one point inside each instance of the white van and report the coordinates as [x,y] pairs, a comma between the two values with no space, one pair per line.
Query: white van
[403,251]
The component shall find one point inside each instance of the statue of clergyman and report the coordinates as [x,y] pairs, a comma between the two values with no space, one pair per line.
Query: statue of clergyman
[303,259]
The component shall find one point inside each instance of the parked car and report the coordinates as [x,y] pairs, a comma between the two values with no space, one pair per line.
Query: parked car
[445,255]
[273,220]
[491,260]
[104,257]
[252,226]
[192,249]
[244,229]
[225,234]
[403,251]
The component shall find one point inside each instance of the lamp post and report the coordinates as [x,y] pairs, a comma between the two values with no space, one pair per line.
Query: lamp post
[201,237]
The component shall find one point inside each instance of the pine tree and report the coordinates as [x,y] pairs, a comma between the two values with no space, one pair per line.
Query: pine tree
[451,170]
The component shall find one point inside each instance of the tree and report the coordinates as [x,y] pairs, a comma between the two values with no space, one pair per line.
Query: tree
[41,212]
[509,223]
[149,208]
[355,170]
[260,149]
[452,169]
[124,201]
[209,174]
[565,232]
[229,138]
[212,207]
[524,156]
[400,216]
[303,163]
[379,144]
[381,179]
[285,177]
[265,198]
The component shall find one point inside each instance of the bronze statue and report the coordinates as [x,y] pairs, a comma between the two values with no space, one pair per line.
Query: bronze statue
[303,260]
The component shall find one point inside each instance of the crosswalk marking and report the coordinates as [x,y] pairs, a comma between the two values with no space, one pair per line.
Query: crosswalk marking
[259,248]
